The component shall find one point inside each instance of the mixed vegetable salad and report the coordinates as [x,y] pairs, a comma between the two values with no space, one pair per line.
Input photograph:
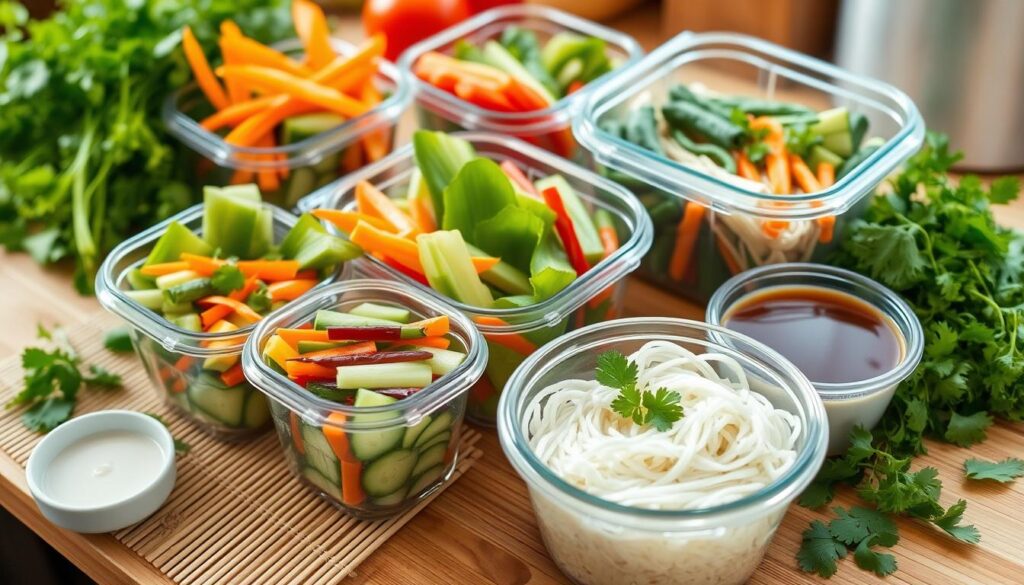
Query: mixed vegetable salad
[222,282]
[373,355]
[761,146]
[261,98]
[482,233]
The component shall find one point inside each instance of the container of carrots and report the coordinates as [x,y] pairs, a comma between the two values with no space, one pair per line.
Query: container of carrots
[519,70]
[744,153]
[193,287]
[367,382]
[291,117]
[528,245]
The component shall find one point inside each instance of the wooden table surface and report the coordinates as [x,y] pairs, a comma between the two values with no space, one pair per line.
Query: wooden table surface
[482,528]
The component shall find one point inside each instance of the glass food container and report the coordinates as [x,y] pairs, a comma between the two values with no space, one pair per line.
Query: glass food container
[599,542]
[316,157]
[185,365]
[730,234]
[316,434]
[438,109]
[848,404]
[514,333]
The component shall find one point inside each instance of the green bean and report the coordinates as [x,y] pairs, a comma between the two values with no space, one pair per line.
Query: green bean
[684,94]
[719,155]
[642,129]
[703,123]
[187,292]
[759,107]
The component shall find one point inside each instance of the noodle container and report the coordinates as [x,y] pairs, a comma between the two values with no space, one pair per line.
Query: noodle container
[302,166]
[513,333]
[598,542]
[730,237]
[550,128]
[849,404]
[317,434]
[174,357]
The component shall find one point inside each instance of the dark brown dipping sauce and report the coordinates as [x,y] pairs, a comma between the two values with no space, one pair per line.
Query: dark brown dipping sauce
[832,336]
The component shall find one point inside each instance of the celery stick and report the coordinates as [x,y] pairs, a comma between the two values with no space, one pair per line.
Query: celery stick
[169,308]
[383,312]
[400,375]
[325,319]
[139,281]
[189,291]
[292,242]
[150,298]
[190,321]
[173,242]
[449,268]
[262,234]
[232,223]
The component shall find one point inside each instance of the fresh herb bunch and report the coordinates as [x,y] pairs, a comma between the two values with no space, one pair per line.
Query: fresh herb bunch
[857,528]
[644,407]
[84,157]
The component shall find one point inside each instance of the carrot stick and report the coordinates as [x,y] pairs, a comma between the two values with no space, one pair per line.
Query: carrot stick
[180,385]
[779,177]
[436,342]
[686,239]
[214,314]
[304,89]
[485,96]
[201,70]
[371,201]
[311,26]
[289,290]
[352,493]
[293,336]
[203,265]
[484,263]
[267,178]
[238,89]
[346,220]
[235,113]
[745,168]
[376,144]
[296,432]
[826,178]
[421,213]
[269,270]
[163,268]
[730,262]
[802,173]
[776,139]
[401,250]
[826,174]
[309,370]
[184,363]
[246,290]
[241,177]
[233,376]
[524,97]
[252,52]
[513,341]
[434,326]
[355,348]
[239,308]
[418,277]
[566,231]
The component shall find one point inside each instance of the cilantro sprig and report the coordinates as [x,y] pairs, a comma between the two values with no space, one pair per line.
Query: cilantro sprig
[858,529]
[659,408]
[1003,471]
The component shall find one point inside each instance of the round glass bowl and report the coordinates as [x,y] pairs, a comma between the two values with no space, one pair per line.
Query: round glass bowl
[852,403]
[598,542]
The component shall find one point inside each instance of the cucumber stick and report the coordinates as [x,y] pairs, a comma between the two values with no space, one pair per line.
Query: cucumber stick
[382,312]
[832,121]
[236,224]
[582,223]
[175,278]
[449,268]
[369,445]
[398,375]
[151,299]
[223,404]
[190,321]
[176,240]
[443,360]
[325,319]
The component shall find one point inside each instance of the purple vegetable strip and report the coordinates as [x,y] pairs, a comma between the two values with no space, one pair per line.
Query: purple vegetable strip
[359,359]
[368,333]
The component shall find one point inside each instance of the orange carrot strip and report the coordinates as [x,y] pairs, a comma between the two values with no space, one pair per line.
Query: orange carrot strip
[826,174]
[304,89]
[826,178]
[238,89]
[307,274]
[436,342]
[609,239]
[201,70]
[163,268]
[296,432]
[484,263]
[214,315]
[779,177]
[351,159]
[310,370]
[371,201]
[802,173]
[239,308]
[402,250]
[524,97]
[179,385]
[485,96]
[353,349]
[421,215]
[246,290]
[730,262]
[513,341]
[376,144]
[293,336]
[745,168]
[241,177]
[434,326]
[235,113]
[289,290]
[203,265]
[352,493]
[686,239]
[184,363]
[233,376]
[311,26]
[252,52]
[269,270]
[776,139]
[268,178]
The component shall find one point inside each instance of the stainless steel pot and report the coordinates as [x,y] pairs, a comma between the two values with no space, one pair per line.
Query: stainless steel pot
[961,61]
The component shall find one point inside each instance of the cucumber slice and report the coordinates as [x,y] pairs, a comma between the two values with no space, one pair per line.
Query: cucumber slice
[503,276]
[220,363]
[170,309]
[325,319]
[429,458]
[307,346]
[292,241]
[369,445]
[298,128]
[832,121]
[582,223]
[426,479]
[383,312]
[414,431]
[390,472]
[139,281]
[319,454]
[441,423]
[151,299]
[175,278]
[190,321]
[176,240]
[225,405]
[840,143]
[393,499]
[257,412]
[399,375]
[441,439]
[820,154]
[321,483]
[321,251]
[444,360]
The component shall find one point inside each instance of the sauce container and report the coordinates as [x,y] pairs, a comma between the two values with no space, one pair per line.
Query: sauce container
[514,333]
[316,433]
[437,109]
[599,542]
[848,404]
[730,237]
[304,165]
[175,357]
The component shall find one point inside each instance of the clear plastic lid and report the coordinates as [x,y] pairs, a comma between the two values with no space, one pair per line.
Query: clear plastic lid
[341,296]
[112,284]
[310,151]
[543,21]
[742,65]
[631,221]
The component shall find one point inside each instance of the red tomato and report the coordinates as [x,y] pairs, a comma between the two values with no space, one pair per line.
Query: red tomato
[478,6]
[405,22]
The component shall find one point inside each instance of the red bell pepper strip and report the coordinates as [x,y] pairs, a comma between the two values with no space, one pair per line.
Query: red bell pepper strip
[566,231]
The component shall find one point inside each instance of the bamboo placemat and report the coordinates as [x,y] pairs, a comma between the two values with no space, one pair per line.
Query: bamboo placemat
[237,513]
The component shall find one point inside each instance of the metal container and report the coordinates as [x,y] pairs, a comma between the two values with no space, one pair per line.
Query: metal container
[961,62]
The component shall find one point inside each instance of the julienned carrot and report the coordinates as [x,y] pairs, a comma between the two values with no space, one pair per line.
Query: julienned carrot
[436,342]
[238,89]
[293,336]
[346,220]
[776,138]
[296,432]
[422,214]
[803,175]
[606,232]
[238,307]
[235,114]
[204,265]
[484,263]
[352,492]
[524,97]
[163,268]
[214,314]
[267,178]
[773,227]
[371,201]
[686,240]
[351,349]
[269,270]
[304,89]
[730,261]
[826,174]
[351,159]
[309,370]
[434,326]
[259,125]
[289,290]
[233,376]
[513,341]
[242,177]
[403,270]
[311,26]
[184,363]
[377,143]
[397,248]
[307,274]
[826,178]
[516,176]
[483,95]
[779,177]
[247,289]
[201,70]
[256,53]
[745,168]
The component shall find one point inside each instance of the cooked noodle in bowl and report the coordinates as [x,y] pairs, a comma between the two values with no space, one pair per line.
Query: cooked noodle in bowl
[695,502]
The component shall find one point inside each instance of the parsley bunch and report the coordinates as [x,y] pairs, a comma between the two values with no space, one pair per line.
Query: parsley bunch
[659,408]
[857,528]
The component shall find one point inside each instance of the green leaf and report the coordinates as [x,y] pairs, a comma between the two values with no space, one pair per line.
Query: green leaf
[227,279]
[950,522]
[817,494]
[629,404]
[1003,471]
[118,340]
[614,370]
[259,299]
[550,271]
[512,234]
[819,551]
[967,430]
[888,254]
[1004,190]
[663,408]
[440,157]
[46,415]
[942,340]
[881,564]
[857,524]
[102,378]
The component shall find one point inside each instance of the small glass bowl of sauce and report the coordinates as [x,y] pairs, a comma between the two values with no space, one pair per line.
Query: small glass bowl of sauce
[853,338]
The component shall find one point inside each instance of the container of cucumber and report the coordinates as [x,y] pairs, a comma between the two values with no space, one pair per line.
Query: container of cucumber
[193,286]
[367,382]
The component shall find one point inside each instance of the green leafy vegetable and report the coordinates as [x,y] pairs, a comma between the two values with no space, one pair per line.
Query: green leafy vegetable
[259,299]
[659,408]
[1004,471]
[227,278]
[439,157]
[523,45]
[881,564]
[856,528]
[819,550]
[118,340]
[569,57]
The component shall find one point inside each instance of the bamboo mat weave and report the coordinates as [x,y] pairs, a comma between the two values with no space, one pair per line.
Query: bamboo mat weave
[237,513]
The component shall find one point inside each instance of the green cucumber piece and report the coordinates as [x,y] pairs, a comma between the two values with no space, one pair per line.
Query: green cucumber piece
[151,298]
[429,458]
[139,281]
[170,309]
[301,182]
[321,483]
[393,499]
[369,445]
[441,439]
[449,268]
[235,224]
[390,472]
[505,277]
[411,433]
[325,319]
[307,346]
[441,423]
[444,360]
[190,321]
[840,143]
[858,128]
[220,363]
[426,479]
[298,128]
[582,223]
[223,404]
[383,312]
[292,241]
[246,192]
[319,454]
[330,393]
[820,154]
[175,241]
[836,120]
[319,251]
[257,412]
[189,291]
[870,147]
[262,233]
[399,375]
[175,278]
